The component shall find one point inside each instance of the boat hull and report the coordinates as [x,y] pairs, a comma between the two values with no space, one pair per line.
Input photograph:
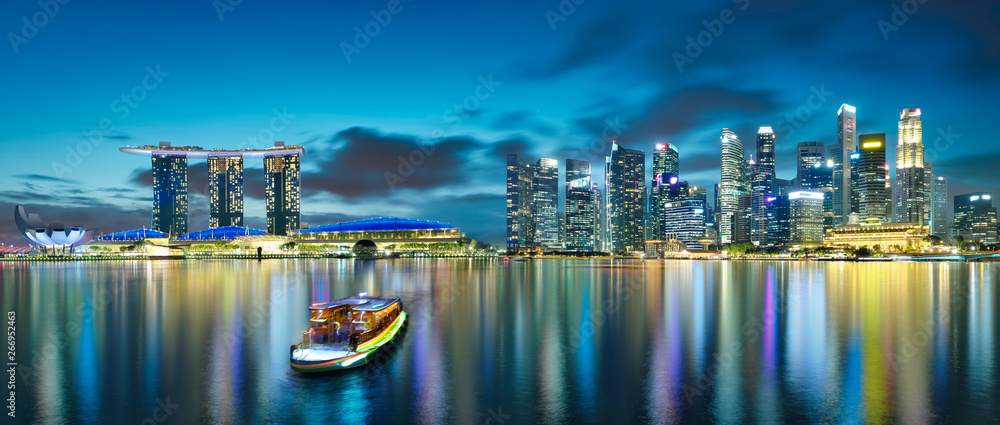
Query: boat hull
[365,352]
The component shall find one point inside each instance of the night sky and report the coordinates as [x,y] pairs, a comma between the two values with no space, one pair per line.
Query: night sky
[456,85]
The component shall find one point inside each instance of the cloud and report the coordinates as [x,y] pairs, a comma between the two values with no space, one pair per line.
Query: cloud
[39,178]
[368,163]
[522,121]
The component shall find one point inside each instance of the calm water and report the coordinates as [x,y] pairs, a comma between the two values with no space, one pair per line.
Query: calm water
[491,342]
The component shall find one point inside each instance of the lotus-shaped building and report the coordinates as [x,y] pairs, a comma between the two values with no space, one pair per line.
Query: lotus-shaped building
[51,235]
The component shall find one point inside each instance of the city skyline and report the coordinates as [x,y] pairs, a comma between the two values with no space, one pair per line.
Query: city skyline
[485,105]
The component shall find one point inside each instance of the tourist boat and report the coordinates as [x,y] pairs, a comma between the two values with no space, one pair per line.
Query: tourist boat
[346,333]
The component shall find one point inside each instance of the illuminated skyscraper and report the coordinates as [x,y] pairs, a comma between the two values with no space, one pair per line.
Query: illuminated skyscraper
[762,185]
[908,193]
[546,201]
[733,183]
[520,229]
[225,191]
[939,208]
[686,219]
[840,154]
[806,218]
[928,195]
[627,199]
[819,178]
[809,153]
[665,174]
[598,216]
[976,217]
[170,203]
[282,192]
[579,207]
[872,179]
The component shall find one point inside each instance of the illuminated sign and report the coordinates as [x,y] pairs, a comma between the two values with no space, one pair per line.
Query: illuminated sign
[846,107]
[699,211]
[855,155]
[771,199]
[661,146]
[870,145]
[765,130]
[673,180]
[974,198]
[806,195]
[940,179]
[987,197]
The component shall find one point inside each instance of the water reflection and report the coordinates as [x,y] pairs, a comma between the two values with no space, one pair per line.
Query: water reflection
[490,341]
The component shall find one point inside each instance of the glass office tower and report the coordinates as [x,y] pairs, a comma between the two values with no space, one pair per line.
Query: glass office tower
[579,206]
[225,191]
[170,188]
[282,193]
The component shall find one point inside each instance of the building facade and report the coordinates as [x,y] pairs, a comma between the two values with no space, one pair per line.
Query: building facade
[545,200]
[626,208]
[939,209]
[282,193]
[732,185]
[808,154]
[686,220]
[976,218]
[665,174]
[840,154]
[225,191]
[520,232]
[170,189]
[872,180]
[579,206]
[908,192]
[884,236]
[762,185]
[806,218]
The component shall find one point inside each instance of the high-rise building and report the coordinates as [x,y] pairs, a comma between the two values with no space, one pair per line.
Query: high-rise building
[808,154]
[225,191]
[908,192]
[698,192]
[840,154]
[665,169]
[733,184]
[819,178]
[939,208]
[579,206]
[855,160]
[782,187]
[928,195]
[686,219]
[806,218]
[520,231]
[627,199]
[282,192]
[170,203]
[546,201]
[598,217]
[976,218]
[762,185]
[872,180]
[778,220]
[742,219]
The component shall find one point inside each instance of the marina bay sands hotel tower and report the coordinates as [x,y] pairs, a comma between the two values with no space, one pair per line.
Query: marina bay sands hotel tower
[282,170]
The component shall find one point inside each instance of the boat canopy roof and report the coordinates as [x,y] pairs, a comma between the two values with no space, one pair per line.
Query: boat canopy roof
[357,303]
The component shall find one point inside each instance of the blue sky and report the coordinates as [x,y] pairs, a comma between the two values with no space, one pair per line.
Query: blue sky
[559,76]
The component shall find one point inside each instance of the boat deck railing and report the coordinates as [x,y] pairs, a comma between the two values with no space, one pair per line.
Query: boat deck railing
[380,325]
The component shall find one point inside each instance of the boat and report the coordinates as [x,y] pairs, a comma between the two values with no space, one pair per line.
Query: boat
[346,333]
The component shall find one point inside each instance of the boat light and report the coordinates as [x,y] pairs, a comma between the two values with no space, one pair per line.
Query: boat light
[363,294]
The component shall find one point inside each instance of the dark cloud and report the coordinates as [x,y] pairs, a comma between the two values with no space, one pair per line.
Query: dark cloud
[368,163]
[516,145]
[970,173]
[597,41]
[38,178]
[698,162]
[478,198]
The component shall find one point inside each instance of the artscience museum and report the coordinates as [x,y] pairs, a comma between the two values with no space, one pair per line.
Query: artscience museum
[50,236]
